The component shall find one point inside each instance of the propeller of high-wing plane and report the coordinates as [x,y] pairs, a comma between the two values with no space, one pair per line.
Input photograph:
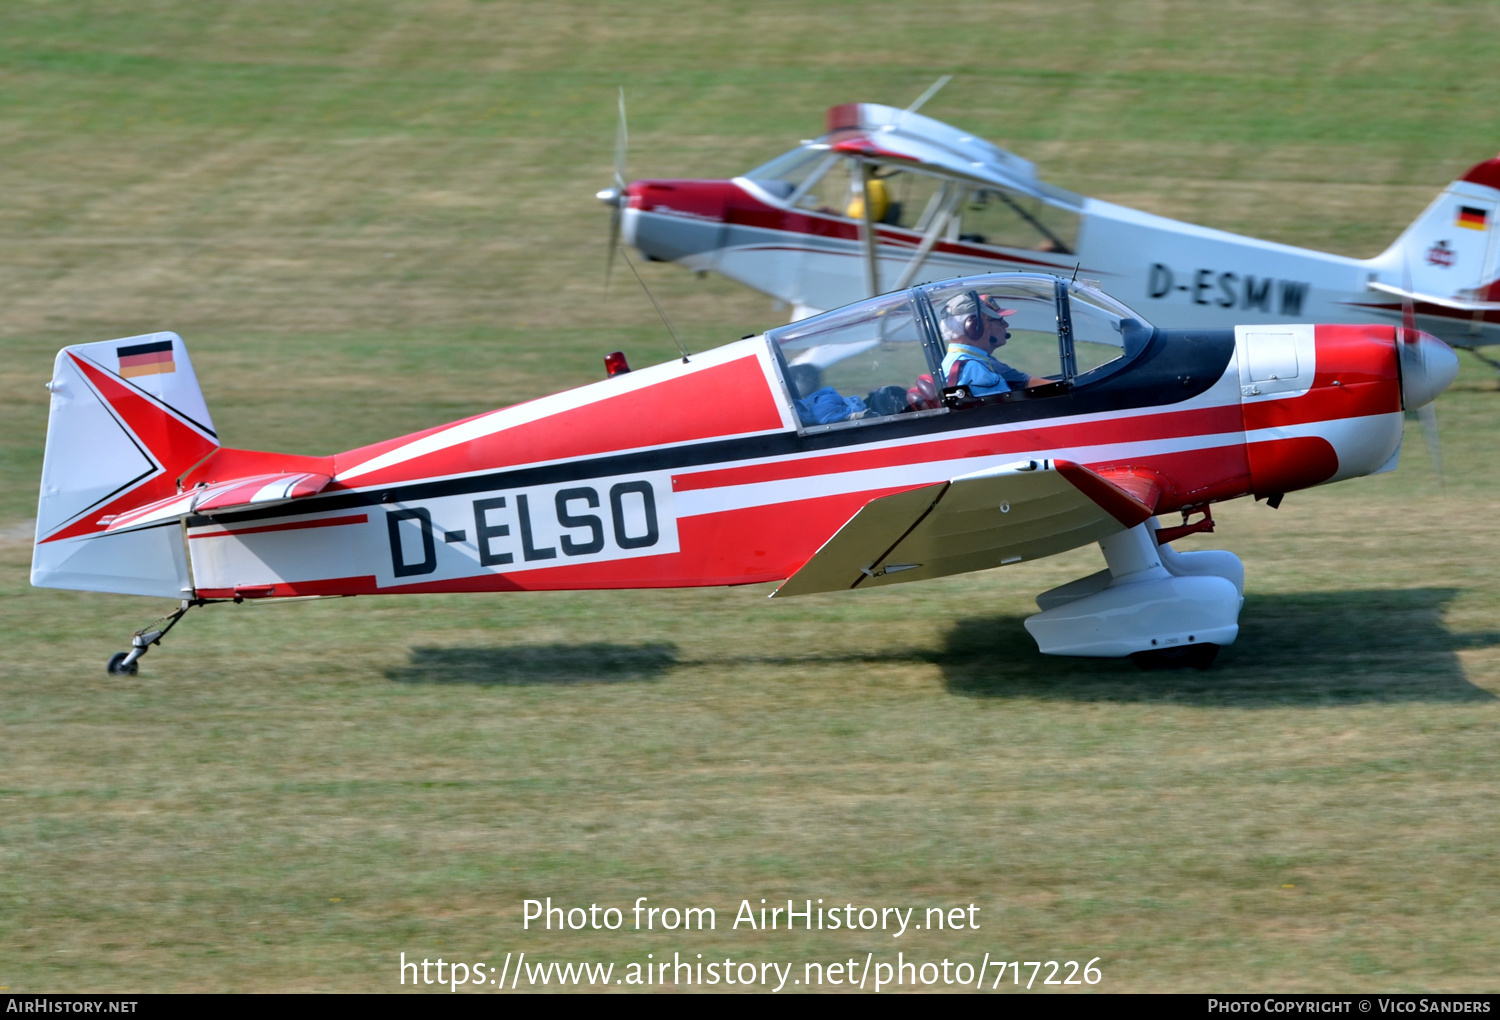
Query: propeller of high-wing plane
[615,197]
[1428,367]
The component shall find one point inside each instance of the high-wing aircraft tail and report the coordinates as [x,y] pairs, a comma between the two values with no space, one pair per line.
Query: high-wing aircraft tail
[1451,247]
[127,421]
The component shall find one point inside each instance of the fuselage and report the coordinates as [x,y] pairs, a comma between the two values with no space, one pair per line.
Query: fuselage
[1180,275]
[702,473]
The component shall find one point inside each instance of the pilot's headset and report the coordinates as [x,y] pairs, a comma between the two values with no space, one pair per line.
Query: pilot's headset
[968,325]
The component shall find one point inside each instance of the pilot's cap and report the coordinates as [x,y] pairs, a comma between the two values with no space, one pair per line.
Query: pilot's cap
[961,304]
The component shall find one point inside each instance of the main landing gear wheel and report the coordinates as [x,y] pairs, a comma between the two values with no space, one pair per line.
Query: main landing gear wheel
[119,667]
[1181,657]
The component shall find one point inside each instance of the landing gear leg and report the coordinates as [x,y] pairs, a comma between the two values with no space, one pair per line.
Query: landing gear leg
[125,663]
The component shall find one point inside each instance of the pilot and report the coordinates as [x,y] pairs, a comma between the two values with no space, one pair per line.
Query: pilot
[975,327]
[880,202]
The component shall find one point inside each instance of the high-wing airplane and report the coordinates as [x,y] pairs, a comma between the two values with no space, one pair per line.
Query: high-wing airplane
[888,197]
[871,445]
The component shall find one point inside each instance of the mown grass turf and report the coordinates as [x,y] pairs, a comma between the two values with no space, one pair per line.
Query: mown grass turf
[370,218]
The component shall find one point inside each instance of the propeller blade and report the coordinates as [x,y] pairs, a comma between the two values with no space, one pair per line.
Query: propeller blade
[622,140]
[1412,352]
[615,198]
[1408,310]
[1428,416]
[614,244]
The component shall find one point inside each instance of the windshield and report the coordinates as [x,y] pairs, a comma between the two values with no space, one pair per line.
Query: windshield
[1104,330]
[788,172]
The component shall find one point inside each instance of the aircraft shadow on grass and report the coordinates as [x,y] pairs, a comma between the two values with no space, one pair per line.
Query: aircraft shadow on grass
[1312,649]
[538,665]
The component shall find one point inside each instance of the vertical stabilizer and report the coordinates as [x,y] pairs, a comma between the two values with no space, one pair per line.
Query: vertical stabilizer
[127,420]
[1451,249]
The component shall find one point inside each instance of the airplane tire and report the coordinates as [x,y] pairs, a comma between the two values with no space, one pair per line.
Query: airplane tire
[116,665]
[1182,657]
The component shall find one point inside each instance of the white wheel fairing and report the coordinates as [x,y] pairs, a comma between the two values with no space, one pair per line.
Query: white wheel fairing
[1156,614]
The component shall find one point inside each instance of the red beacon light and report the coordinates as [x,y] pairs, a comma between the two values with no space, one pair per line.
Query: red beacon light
[615,364]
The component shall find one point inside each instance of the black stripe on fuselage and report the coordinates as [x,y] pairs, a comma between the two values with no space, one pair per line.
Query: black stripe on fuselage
[1176,365]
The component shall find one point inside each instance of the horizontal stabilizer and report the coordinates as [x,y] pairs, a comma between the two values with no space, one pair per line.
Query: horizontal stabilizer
[1460,304]
[234,494]
[990,518]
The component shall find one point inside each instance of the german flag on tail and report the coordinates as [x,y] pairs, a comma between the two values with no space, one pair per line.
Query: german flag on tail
[146,359]
[1471,218]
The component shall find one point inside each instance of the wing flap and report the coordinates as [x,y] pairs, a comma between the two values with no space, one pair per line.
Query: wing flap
[234,494]
[990,518]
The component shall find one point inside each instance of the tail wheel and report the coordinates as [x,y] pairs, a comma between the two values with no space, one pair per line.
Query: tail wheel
[118,667]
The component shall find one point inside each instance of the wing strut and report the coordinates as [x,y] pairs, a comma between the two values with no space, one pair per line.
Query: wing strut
[932,90]
[868,236]
[952,193]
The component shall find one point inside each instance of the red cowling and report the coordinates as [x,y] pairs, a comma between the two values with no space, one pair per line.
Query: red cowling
[1284,465]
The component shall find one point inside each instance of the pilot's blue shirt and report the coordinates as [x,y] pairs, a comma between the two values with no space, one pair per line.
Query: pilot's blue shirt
[979,371]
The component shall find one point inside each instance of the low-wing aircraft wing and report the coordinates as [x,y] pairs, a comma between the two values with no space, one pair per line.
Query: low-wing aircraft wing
[234,494]
[989,518]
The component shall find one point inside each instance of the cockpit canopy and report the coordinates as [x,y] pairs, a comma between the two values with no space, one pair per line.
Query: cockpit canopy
[893,354]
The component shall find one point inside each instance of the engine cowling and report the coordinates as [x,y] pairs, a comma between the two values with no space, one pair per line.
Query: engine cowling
[1323,403]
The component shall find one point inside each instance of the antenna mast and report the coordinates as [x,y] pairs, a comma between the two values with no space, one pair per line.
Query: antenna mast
[659,310]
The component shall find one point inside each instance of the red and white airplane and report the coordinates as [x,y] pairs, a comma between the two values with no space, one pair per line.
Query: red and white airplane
[888,197]
[828,454]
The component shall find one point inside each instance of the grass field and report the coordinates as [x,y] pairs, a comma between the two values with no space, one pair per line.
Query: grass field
[368,218]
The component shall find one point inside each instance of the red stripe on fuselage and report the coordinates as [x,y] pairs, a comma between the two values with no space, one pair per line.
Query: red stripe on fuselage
[1023,439]
[724,400]
[325,522]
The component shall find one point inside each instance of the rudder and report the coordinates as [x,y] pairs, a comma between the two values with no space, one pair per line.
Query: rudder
[127,420]
[1450,250]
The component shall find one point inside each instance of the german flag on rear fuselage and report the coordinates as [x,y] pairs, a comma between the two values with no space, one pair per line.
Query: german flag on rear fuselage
[146,359]
[1471,218]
